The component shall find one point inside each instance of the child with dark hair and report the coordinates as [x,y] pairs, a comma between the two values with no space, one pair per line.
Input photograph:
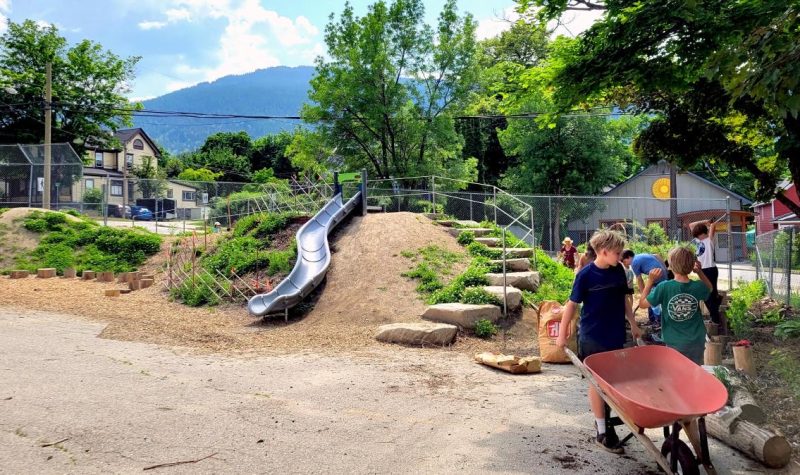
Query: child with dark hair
[627,259]
[703,233]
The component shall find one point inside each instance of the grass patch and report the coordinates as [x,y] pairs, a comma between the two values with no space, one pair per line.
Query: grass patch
[788,368]
[485,328]
[433,263]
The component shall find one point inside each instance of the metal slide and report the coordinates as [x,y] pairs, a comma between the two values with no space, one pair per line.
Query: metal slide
[313,259]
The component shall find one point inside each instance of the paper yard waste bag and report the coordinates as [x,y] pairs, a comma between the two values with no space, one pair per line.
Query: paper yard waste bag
[550,313]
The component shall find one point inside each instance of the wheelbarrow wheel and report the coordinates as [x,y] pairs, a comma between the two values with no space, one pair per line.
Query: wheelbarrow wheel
[687,462]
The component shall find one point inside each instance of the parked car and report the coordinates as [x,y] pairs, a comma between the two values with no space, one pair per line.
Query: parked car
[139,212]
[118,211]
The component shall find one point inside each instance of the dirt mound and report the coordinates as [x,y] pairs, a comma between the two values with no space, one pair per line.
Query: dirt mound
[14,238]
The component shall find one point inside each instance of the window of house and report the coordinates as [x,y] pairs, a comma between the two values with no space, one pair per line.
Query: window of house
[138,144]
[90,183]
[116,187]
[188,196]
[170,193]
[98,159]
[128,160]
[131,191]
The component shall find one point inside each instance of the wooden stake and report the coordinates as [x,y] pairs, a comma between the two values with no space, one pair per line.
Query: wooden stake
[743,360]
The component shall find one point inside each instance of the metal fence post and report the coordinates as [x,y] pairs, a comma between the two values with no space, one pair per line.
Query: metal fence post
[433,194]
[550,221]
[494,201]
[505,283]
[772,264]
[533,240]
[788,268]
[731,248]
[471,199]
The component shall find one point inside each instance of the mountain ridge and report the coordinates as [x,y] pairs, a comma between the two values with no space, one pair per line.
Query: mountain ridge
[276,91]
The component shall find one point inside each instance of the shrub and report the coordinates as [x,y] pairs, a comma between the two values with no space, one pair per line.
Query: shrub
[485,329]
[479,296]
[54,219]
[788,329]
[740,319]
[59,256]
[473,276]
[556,280]
[466,237]
[35,225]
[198,292]
[478,249]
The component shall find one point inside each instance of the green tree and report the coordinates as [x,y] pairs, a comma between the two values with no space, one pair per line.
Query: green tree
[89,84]
[269,151]
[151,180]
[381,99]
[238,143]
[199,174]
[719,77]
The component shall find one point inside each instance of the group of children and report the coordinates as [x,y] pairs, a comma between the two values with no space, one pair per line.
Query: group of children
[604,287]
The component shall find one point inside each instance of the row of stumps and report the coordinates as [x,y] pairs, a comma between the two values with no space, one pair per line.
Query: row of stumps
[133,280]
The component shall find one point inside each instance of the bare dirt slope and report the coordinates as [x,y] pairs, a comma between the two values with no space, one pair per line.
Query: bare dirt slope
[364,289]
[15,239]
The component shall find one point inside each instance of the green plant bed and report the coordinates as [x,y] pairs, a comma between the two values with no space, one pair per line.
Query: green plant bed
[197,292]
[67,242]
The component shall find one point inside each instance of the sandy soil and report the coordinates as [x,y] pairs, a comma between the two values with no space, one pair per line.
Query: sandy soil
[15,239]
[364,289]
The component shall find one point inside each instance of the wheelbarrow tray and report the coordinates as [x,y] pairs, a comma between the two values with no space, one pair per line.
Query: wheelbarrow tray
[655,386]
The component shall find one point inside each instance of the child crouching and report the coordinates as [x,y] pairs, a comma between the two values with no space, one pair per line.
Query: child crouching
[682,326]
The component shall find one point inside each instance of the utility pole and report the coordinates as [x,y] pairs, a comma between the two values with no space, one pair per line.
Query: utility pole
[48,117]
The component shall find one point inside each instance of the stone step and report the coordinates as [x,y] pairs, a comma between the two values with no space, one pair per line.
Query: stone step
[522,280]
[418,333]
[516,252]
[455,223]
[478,232]
[514,265]
[490,241]
[513,295]
[462,314]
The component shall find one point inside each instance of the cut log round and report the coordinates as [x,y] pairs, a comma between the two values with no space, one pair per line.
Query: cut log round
[19,274]
[768,448]
[713,353]
[743,360]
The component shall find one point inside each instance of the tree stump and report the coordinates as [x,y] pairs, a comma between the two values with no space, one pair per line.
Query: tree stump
[19,274]
[105,276]
[145,283]
[743,360]
[46,273]
[713,354]
[70,273]
[87,274]
[134,284]
[122,278]
[112,292]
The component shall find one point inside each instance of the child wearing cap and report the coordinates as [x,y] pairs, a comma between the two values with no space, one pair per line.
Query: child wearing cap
[567,253]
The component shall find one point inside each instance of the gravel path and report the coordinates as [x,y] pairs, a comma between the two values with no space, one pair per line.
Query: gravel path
[123,406]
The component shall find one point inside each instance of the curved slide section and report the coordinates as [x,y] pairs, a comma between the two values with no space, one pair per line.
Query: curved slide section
[313,259]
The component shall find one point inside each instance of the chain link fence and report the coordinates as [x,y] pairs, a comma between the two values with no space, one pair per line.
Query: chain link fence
[775,258]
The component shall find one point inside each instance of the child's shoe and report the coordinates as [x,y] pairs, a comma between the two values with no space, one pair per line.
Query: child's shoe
[609,441]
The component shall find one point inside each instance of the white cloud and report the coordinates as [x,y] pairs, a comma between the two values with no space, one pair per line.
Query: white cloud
[43,24]
[494,25]
[573,23]
[178,14]
[152,25]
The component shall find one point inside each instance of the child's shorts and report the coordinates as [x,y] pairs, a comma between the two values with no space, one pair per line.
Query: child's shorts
[588,347]
[693,352]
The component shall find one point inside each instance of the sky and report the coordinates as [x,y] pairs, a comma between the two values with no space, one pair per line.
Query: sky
[185,42]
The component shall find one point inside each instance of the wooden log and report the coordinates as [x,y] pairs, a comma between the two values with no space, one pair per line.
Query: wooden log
[133,276]
[713,354]
[743,360]
[135,285]
[105,276]
[87,274]
[122,278]
[112,292]
[70,273]
[19,274]
[762,445]
[744,400]
[46,273]
[145,283]
[124,291]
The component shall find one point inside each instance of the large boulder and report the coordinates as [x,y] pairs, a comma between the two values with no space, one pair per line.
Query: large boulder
[490,241]
[462,314]
[514,265]
[478,232]
[513,295]
[521,280]
[418,333]
[517,252]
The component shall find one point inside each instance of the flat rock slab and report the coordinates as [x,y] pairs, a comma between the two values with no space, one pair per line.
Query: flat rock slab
[515,265]
[490,241]
[462,314]
[478,232]
[513,295]
[521,280]
[516,252]
[418,333]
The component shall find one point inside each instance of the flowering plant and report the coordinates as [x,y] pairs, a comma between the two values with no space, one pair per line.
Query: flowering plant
[744,343]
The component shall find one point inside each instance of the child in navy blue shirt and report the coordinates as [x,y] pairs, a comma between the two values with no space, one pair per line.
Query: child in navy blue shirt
[602,287]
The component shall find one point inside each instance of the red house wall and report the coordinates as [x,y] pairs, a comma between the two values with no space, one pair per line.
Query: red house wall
[764,212]
[780,208]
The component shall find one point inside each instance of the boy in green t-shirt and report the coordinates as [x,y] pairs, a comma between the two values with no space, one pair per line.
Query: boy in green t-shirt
[682,326]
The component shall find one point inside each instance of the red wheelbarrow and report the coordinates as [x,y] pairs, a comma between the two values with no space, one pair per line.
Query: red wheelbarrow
[655,386]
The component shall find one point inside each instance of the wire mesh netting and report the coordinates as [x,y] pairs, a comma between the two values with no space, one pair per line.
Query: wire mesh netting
[22,172]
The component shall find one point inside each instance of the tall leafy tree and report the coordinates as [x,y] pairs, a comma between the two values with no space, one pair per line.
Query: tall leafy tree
[720,78]
[269,151]
[89,84]
[382,99]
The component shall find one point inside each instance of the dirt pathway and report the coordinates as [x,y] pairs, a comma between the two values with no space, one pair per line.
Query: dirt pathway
[123,406]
